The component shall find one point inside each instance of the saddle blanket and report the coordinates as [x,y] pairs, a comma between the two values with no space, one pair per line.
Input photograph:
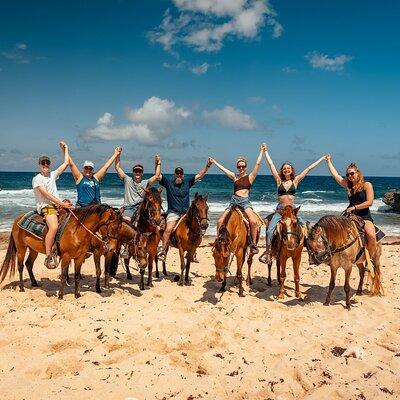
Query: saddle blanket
[29,222]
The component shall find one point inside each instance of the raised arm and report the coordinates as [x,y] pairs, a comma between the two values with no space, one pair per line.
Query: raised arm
[157,171]
[204,170]
[338,178]
[304,173]
[254,173]
[99,175]
[77,175]
[226,171]
[271,165]
[64,165]
[120,171]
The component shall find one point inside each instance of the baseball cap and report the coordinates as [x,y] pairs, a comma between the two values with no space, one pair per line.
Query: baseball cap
[138,166]
[88,164]
[179,170]
[44,158]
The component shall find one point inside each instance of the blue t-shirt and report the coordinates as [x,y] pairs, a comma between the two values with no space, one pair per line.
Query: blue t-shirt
[177,195]
[88,192]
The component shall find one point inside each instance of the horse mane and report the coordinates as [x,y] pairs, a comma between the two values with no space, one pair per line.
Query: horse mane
[84,212]
[191,211]
[223,237]
[336,228]
[143,205]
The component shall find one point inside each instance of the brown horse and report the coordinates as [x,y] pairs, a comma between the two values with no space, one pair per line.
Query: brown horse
[288,242]
[189,233]
[148,224]
[336,241]
[73,245]
[232,241]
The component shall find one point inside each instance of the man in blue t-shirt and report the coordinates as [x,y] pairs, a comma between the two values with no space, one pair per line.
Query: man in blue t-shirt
[177,188]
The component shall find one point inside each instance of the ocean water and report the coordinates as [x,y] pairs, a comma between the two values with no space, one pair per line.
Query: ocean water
[317,195]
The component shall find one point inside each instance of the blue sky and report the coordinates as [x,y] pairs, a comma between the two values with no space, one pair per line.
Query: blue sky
[203,78]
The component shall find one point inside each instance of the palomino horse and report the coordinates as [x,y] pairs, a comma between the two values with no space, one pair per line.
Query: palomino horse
[288,242]
[336,241]
[189,233]
[148,224]
[232,240]
[73,245]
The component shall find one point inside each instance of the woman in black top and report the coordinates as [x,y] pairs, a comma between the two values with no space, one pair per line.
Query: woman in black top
[361,197]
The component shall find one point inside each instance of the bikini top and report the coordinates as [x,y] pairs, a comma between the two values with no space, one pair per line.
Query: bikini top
[242,183]
[283,192]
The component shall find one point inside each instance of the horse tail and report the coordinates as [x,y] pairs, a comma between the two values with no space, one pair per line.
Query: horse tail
[9,260]
[375,280]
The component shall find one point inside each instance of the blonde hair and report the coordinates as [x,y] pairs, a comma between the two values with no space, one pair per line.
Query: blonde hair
[358,185]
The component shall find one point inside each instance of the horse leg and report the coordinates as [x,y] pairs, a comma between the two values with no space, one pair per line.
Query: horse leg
[223,286]
[331,285]
[282,276]
[164,268]
[361,271]
[296,272]
[347,286]
[240,261]
[189,257]
[128,271]
[29,266]
[269,281]
[96,258]
[278,269]
[64,274]
[20,260]
[157,272]
[77,276]
[181,256]
[141,285]
[249,281]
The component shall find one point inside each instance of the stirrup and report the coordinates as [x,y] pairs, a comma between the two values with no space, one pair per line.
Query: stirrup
[162,256]
[265,258]
[254,249]
[50,263]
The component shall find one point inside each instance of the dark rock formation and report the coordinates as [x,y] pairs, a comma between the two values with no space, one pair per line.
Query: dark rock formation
[392,199]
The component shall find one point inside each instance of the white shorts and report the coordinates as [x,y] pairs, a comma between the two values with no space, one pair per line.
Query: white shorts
[173,217]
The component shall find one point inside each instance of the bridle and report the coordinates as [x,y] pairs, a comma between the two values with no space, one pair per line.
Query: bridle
[150,210]
[298,234]
[225,269]
[196,214]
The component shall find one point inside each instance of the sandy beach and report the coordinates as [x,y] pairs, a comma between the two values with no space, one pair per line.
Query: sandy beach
[172,342]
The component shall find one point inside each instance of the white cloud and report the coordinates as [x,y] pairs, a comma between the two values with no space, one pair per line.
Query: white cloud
[205,24]
[21,46]
[200,69]
[324,62]
[148,124]
[197,69]
[256,100]
[231,117]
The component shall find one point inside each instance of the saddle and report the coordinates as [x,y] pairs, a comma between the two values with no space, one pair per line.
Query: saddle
[360,225]
[247,222]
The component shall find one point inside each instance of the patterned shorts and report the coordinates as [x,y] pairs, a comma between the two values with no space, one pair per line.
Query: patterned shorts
[51,209]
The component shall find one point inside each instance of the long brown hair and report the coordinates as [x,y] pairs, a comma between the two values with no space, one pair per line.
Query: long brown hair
[358,184]
[292,175]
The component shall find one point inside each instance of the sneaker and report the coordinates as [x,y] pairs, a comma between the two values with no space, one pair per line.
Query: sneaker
[162,256]
[254,249]
[125,253]
[49,263]
[265,258]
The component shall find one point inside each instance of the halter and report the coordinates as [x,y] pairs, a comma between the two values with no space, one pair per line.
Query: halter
[199,220]
[296,234]
[225,269]
[149,210]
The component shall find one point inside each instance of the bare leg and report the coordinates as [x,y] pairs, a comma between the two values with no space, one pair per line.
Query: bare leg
[221,219]
[52,225]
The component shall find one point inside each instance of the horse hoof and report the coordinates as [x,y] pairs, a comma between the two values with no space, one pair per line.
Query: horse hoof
[327,303]
[359,293]
[98,290]
[35,284]
[180,283]
[150,284]
[129,277]
[222,290]
[21,289]
[60,297]
[157,274]
[77,295]
[299,297]
[188,283]
[241,295]
[165,273]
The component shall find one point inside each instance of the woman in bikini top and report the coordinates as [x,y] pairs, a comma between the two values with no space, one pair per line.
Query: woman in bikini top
[286,182]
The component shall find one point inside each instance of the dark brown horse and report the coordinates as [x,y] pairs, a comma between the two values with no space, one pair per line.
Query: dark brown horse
[73,245]
[189,233]
[288,242]
[148,224]
[232,241]
[336,241]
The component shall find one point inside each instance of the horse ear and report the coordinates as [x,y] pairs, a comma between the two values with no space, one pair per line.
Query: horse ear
[296,210]
[308,224]
[206,197]
[196,195]
[160,190]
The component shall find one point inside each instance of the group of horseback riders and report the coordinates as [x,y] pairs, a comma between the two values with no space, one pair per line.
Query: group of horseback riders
[360,193]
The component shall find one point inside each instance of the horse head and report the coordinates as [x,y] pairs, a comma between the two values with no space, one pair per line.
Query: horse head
[199,210]
[221,254]
[138,249]
[151,206]
[317,244]
[288,227]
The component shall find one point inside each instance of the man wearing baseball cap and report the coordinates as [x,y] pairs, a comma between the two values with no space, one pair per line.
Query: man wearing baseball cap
[135,185]
[177,188]
[87,181]
[47,199]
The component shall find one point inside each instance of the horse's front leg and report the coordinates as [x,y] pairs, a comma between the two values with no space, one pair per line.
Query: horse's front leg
[150,271]
[96,258]
[361,272]
[182,258]
[249,281]
[347,286]
[189,258]
[331,285]
[269,280]
[64,274]
[239,276]
[282,276]
[296,271]
[77,276]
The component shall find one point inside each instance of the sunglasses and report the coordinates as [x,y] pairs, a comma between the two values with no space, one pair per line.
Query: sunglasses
[138,171]
[45,163]
[241,166]
[350,174]
[88,168]
[179,173]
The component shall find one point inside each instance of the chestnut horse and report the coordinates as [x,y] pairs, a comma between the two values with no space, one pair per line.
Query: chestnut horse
[189,233]
[288,242]
[73,245]
[336,241]
[232,241]
[148,224]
